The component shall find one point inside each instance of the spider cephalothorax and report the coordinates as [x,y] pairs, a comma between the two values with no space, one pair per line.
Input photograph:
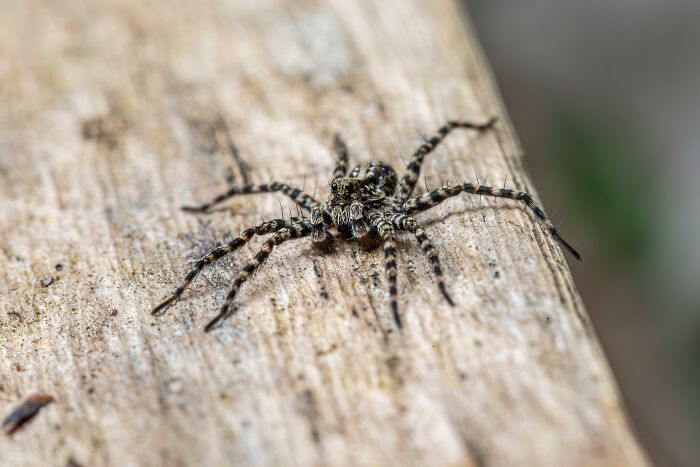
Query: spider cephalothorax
[369,187]
[367,202]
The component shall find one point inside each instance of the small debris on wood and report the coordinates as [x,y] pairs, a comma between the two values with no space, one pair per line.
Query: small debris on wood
[14,317]
[106,130]
[25,412]
[324,352]
[175,386]
[47,281]
[73,463]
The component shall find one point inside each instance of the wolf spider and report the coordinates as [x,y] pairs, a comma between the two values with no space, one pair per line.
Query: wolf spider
[367,203]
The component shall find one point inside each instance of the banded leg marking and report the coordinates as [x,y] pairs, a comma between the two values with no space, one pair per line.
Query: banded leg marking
[341,150]
[306,202]
[357,220]
[433,198]
[387,232]
[224,250]
[408,182]
[320,221]
[404,222]
[294,231]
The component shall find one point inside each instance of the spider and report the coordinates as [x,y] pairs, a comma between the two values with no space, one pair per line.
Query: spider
[368,203]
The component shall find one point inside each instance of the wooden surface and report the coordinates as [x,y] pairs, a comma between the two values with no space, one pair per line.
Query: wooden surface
[115,113]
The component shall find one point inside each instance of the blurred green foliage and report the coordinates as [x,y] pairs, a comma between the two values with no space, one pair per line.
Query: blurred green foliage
[610,183]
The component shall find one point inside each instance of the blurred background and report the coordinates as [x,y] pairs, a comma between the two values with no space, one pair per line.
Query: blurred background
[605,97]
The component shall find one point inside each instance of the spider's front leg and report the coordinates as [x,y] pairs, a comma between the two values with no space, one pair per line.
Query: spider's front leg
[404,222]
[299,229]
[388,235]
[408,182]
[433,198]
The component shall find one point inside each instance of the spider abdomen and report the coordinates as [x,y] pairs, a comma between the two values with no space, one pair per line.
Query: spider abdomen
[379,174]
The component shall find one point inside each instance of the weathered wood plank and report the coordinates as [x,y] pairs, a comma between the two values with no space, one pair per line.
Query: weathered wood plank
[115,113]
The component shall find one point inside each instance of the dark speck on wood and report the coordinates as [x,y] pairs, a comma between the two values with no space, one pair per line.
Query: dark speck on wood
[26,411]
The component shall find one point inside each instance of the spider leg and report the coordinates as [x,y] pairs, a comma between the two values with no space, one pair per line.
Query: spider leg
[224,250]
[404,222]
[341,150]
[299,197]
[321,221]
[408,182]
[387,232]
[433,198]
[357,221]
[296,230]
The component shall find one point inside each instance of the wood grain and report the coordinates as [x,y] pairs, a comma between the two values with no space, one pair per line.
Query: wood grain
[115,113]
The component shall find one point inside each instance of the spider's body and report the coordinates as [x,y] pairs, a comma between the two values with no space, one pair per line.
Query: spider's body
[368,202]
[370,188]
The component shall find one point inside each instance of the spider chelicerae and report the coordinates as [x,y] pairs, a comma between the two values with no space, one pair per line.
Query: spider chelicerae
[368,203]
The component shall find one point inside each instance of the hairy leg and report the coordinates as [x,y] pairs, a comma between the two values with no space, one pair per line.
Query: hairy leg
[299,197]
[224,250]
[357,221]
[387,232]
[433,198]
[408,182]
[320,221]
[297,230]
[404,222]
[341,150]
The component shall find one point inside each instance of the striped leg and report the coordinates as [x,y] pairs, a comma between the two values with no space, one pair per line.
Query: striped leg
[408,182]
[357,221]
[341,150]
[321,221]
[433,198]
[404,222]
[224,250]
[387,232]
[302,199]
[296,230]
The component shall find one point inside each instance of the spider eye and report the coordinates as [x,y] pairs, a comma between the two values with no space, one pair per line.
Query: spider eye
[343,187]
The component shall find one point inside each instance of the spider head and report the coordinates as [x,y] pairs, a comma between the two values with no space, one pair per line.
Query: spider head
[347,190]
